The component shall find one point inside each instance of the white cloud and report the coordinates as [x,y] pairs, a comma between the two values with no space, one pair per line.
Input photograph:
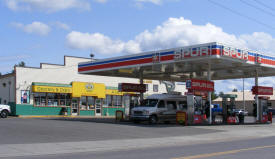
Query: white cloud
[174,32]
[158,2]
[101,1]
[99,43]
[46,5]
[33,28]
[61,25]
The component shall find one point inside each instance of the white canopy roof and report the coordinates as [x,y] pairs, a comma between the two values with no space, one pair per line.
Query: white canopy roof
[179,64]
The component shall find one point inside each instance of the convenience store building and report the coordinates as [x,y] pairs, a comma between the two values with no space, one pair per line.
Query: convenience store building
[53,89]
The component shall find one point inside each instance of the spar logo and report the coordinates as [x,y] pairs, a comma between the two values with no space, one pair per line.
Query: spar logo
[235,53]
[89,87]
[182,53]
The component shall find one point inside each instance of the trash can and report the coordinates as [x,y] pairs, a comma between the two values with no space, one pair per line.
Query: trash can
[241,118]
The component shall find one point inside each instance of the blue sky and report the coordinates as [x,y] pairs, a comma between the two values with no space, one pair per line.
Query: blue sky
[43,31]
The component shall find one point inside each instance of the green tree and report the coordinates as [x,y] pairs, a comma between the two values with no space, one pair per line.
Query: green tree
[235,90]
[20,64]
[214,96]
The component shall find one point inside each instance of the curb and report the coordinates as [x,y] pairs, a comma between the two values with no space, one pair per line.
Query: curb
[63,116]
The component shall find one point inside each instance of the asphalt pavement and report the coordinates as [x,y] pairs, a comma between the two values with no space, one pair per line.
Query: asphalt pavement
[49,130]
[57,138]
[241,149]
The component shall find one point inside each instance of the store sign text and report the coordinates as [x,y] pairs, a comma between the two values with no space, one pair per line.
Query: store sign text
[131,87]
[52,89]
[192,52]
[260,90]
[235,53]
[201,85]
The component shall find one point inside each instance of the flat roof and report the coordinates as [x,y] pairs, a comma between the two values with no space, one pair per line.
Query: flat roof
[182,63]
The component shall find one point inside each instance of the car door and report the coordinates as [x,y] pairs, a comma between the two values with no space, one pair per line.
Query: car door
[161,109]
[171,110]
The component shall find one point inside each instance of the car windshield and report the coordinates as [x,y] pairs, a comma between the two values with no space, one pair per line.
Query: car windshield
[149,103]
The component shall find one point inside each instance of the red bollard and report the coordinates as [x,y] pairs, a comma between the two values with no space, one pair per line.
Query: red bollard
[270,117]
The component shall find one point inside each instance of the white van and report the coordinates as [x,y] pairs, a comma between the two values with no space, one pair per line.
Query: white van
[159,107]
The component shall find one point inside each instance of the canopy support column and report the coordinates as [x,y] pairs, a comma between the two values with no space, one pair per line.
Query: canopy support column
[141,82]
[256,97]
[209,93]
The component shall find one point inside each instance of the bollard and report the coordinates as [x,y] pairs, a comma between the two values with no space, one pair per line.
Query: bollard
[119,115]
[270,117]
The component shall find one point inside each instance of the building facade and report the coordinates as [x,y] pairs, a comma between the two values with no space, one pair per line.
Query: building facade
[59,90]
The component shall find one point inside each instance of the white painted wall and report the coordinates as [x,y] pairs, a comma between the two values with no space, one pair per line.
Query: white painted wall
[69,73]
[7,92]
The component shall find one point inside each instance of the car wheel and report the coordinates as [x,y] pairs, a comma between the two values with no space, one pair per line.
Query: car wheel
[153,119]
[4,114]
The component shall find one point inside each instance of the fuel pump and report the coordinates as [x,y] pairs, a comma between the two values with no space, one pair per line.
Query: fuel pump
[228,106]
[263,111]
[195,110]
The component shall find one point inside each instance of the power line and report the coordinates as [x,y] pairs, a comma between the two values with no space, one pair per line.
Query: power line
[242,15]
[262,4]
[258,8]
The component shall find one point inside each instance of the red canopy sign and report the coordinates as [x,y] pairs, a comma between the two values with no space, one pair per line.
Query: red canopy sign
[201,85]
[261,90]
[131,87]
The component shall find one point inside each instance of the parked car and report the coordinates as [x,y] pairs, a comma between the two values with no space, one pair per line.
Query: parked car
[240,111]
[4,110]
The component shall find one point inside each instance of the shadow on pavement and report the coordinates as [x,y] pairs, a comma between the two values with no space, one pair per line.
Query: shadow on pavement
[141,124]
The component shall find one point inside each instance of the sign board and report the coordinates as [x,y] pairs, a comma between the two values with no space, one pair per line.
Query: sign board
[261,90]
[131,87]
[88,89]
[51,89]
[202,85]
[181,117]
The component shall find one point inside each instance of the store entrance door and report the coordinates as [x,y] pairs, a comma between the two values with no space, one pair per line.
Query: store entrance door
[75,106]
[98,106]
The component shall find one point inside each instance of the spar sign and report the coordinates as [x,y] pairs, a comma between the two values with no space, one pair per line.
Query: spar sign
[261,90]
[200,85]
[235,53]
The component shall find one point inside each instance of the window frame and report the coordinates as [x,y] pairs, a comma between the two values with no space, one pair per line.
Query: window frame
[46,97]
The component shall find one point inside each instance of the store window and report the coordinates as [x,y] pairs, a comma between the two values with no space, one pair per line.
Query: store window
[155,88]
[83,103]
[107,102]
[52,99]
[39,99]
[91,102]
[117,101]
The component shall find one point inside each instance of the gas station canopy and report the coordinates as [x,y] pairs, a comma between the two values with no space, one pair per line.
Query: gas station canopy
[180,64]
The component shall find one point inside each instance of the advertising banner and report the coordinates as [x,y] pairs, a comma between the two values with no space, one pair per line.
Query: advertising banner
[25,97]
[131,87]
[261,90]
[88,89]
[200,85]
